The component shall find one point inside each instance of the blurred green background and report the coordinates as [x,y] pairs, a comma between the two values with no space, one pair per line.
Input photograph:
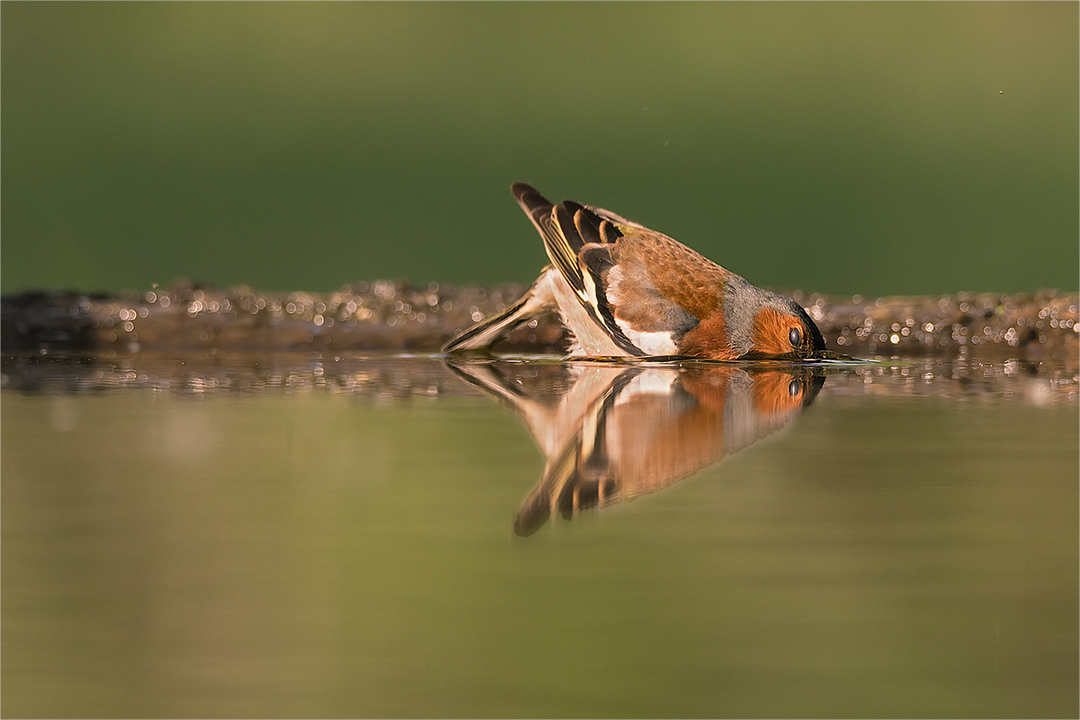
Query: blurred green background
[838,148]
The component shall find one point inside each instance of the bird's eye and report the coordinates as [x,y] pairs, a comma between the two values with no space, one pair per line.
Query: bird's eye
[795,337]
[794,388]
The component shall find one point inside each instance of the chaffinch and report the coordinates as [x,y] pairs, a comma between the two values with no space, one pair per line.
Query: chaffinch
[611,433]
[623,290]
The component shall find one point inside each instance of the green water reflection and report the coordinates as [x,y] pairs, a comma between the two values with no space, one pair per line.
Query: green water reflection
[340,544]
[611,432]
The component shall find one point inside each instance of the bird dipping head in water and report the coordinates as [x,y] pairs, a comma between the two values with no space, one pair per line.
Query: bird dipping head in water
[623,290]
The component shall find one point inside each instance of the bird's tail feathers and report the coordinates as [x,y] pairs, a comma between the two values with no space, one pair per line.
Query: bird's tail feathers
[480,337]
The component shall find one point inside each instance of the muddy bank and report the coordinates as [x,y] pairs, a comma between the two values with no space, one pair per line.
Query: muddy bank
[397,317]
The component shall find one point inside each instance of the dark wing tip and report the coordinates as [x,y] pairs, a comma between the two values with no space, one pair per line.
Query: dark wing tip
[533,515]
[532,202]
[526,194]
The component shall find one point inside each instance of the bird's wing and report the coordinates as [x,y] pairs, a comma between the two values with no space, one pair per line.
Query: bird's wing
[569,229]
[643,288]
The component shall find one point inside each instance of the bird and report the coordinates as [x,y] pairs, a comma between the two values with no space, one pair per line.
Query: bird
[614,432]
[625,291]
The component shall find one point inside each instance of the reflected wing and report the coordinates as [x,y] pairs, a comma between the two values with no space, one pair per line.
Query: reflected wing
[577,475]
[652,427]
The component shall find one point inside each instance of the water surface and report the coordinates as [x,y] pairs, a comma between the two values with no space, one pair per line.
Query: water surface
[300,535]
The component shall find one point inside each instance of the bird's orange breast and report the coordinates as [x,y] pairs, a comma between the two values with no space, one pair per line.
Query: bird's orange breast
[709,339]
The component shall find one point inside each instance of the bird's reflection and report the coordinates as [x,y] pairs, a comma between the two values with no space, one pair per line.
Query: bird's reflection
[612,433]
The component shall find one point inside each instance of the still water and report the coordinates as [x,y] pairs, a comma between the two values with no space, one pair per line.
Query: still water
[344,536]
